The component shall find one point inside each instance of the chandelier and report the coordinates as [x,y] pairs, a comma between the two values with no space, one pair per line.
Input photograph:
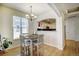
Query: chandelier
[31,16]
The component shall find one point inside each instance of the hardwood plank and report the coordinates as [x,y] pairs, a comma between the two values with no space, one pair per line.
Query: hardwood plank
[71,49]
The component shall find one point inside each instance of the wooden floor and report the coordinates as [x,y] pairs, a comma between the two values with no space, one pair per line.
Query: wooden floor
[12,52]
[71,49]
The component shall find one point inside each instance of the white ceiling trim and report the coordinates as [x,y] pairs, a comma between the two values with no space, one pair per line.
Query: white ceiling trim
[55,9]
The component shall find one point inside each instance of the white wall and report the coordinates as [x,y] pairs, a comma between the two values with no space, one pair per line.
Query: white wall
[60,33]
[6,22]
[53,38]
[50,37]
[72,28]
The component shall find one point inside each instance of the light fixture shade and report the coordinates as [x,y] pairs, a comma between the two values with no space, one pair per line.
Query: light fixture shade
[35,16]
[31,16]
[27,16]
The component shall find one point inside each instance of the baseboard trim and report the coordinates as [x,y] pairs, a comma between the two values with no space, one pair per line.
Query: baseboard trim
[72,40]
[52,45]
[56,46]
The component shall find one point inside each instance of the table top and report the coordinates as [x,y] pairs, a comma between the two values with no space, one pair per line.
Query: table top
[32,36]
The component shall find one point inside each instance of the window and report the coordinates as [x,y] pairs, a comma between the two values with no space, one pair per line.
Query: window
[20,25]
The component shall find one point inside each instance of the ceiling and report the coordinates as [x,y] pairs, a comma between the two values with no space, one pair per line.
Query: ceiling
[41,8]
[37,8]
[63,7]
